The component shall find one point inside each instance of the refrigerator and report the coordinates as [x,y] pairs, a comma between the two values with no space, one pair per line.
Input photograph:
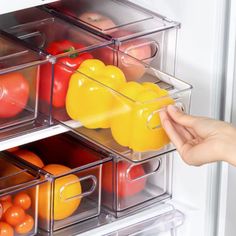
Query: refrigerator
[202,198]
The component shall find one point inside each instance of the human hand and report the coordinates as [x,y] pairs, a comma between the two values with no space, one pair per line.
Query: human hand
[199,140]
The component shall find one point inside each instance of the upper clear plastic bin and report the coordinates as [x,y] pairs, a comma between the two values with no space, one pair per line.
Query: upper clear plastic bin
[116,19]
[50,34]
[115,100]
[19,102]
[147,36]
[59,40]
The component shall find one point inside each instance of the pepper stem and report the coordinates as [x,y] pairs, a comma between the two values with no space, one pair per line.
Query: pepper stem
[70,49]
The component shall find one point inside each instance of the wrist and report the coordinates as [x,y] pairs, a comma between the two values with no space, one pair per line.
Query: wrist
[229,147]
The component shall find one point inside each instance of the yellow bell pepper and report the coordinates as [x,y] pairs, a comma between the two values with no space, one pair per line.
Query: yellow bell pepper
[90,99]
[137,123]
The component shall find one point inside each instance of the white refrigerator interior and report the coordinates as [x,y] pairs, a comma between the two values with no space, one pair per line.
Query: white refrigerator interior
[200,56]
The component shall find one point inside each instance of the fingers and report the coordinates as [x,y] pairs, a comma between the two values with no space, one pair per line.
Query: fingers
[180,117]
[172,133]
[197,126]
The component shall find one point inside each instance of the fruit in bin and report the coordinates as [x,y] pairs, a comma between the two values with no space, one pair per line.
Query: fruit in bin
[1,210]
[63,69]
[99,21]
[5,198]
[25,226]
[29,157]
[13,149]
[137,125]
[90,100]
[22,200]
[6,229]
[65,190]
[128,179]
[14,94]
[6,205]
[14,215]
[131,55]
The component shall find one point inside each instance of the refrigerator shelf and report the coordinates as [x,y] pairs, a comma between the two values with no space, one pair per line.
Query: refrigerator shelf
[159,217]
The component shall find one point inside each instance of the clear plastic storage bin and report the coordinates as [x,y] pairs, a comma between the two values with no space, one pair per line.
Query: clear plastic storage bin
[55,37]
[120,115]
[19,77]
[18,198]
[73,170]
[136,31]
[127,187]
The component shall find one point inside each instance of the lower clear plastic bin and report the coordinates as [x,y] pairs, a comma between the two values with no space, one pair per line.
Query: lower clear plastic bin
[161,225]
[127,187]
[18,198]
[73,170]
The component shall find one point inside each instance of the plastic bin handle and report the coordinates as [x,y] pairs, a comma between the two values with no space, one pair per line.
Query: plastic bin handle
[178,104]
[145,175]
[35,34]
[83,194]
[153,45]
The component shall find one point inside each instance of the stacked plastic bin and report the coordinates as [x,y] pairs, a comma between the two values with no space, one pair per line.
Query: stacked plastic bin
[20,107]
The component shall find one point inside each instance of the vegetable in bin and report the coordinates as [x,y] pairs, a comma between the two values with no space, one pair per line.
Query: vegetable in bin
[138,125]
[90,97]
[63,69]
[14,94]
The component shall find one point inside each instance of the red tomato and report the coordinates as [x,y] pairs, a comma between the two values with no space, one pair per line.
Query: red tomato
[14,215]
[14,94]
[62,73]
[127,182]
[22,200]
[6,229]
[25,226]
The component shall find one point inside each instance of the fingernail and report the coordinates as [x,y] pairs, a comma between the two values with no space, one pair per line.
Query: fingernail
[174,108]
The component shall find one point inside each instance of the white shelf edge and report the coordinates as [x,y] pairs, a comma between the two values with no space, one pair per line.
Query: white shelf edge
[32,136]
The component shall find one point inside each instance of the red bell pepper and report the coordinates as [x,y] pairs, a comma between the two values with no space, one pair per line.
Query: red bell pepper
[63,69]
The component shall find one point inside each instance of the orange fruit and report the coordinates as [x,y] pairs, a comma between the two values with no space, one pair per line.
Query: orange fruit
[65,190]
[6,229]
[14,215]
[13,149]
[30,157]
[22,200]
[25,226]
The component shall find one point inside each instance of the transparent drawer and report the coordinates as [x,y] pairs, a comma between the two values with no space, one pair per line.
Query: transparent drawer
[163,224]
[66,42]
[18,198]
[73,170]
[157,219]
[19,77]
[127,187]
[136,31]
[122,116]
